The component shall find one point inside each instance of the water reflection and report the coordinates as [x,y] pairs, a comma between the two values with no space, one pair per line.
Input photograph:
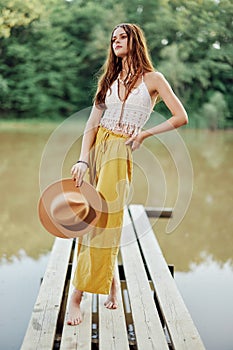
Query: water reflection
[206,226]
[19,169]
[20,283]
[207,290]
[206,230]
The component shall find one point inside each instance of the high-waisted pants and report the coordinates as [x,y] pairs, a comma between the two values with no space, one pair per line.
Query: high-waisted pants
[110,173]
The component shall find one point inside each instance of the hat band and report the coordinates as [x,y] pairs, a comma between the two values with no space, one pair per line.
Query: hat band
[82,225]
[76,227]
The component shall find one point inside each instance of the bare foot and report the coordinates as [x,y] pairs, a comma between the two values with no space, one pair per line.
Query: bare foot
[74,314]
[111,302]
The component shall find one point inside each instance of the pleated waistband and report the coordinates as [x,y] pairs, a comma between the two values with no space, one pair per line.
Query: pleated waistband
[104,131]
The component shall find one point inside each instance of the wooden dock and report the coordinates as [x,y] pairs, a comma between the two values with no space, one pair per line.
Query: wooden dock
[151,313]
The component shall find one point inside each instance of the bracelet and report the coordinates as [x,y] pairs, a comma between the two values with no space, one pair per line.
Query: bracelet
[83,161]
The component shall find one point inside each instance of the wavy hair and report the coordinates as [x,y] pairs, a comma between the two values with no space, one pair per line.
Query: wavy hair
[138,61]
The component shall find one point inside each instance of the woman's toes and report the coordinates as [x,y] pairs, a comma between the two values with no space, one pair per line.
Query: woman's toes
[109,304]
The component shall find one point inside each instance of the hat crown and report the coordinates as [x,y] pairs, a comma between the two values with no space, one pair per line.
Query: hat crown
[69,208]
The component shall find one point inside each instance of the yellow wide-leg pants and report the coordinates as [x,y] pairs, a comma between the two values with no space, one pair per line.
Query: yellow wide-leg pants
[110,173]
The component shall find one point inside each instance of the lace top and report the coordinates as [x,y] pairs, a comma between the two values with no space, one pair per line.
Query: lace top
[130,116]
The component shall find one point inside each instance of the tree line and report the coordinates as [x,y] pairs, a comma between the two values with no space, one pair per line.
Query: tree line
[52,52]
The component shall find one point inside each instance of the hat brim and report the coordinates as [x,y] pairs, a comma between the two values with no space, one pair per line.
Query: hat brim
[96,203]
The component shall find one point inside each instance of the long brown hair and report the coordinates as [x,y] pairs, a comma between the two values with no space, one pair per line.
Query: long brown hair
[138,61]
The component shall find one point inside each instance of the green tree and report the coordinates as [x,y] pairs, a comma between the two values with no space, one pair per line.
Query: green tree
[51,51]
[16,13]
[203,34]
[47,68]
[215,112]
[175,70]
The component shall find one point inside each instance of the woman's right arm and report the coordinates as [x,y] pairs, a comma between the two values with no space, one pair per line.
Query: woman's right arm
[78,170]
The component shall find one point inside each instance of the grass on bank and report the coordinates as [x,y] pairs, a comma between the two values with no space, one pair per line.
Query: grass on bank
[34,125]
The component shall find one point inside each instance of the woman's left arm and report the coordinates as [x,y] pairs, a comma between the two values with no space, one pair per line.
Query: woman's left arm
[159,84]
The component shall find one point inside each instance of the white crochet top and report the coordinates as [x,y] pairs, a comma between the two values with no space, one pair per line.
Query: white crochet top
[130,116]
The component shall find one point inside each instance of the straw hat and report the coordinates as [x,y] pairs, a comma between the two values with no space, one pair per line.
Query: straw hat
[68,211]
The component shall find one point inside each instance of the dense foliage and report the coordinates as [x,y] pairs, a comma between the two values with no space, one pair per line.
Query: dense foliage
[52,51]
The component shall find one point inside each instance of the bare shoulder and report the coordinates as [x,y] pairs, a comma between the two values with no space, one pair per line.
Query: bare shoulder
[155,77]
[155,81]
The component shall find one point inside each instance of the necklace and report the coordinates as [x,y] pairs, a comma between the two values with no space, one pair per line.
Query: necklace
[124,81]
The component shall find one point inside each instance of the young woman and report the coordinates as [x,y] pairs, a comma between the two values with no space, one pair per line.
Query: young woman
[127,92]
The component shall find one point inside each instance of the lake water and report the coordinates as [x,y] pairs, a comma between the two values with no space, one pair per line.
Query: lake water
[200,242]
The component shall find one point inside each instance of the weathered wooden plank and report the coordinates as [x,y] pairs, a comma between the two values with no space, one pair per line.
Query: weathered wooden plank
[42,326]
[181,328]
[112,326]
[147,325]
[154,212]
[78,337]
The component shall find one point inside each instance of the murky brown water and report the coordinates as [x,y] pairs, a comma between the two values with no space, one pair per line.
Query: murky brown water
[201,247]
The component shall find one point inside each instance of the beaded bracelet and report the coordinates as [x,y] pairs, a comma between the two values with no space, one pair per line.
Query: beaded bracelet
[83,161]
